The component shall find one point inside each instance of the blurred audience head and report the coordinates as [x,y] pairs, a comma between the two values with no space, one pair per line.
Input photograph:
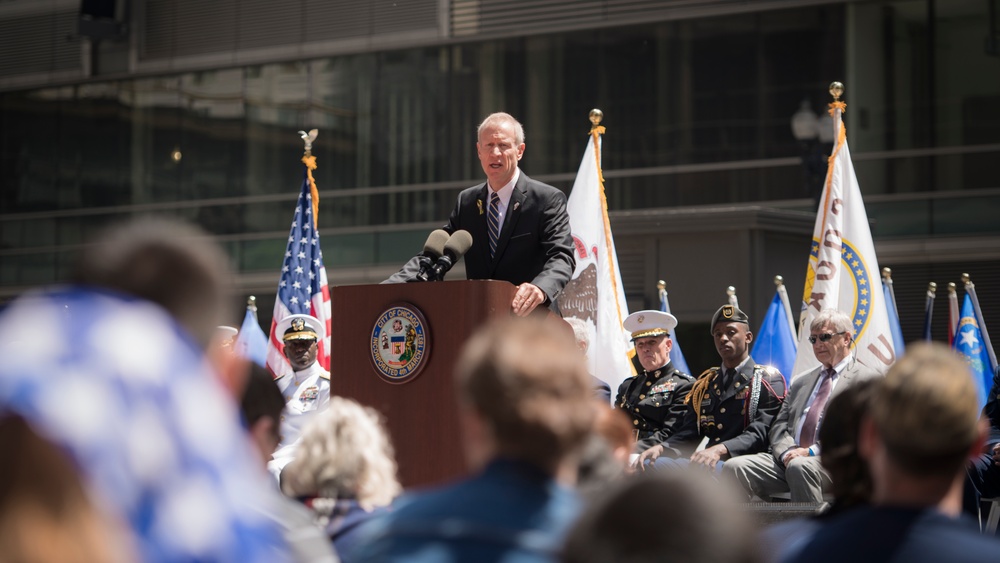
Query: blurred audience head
[45,514]
[345,453]
[663,517]
[261,406]
[851,481]
[525,393]
[604,457]
[168,262]
[925,415]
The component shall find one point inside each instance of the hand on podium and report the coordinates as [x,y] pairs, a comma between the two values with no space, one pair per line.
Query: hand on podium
[528,297]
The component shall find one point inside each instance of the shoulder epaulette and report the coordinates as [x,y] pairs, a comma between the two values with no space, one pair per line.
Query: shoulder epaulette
[325,375]
[277,377]
[709,372]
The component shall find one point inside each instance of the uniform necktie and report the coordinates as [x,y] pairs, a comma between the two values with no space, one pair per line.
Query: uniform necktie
[808,435]
[727,381]
[494,222]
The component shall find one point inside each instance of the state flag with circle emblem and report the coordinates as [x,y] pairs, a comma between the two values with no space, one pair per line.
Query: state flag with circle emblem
[843,272]
[302,287]
[972,345]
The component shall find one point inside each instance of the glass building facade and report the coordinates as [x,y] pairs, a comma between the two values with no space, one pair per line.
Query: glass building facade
[698,113]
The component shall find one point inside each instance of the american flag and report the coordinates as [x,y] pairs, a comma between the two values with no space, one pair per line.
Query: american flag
[303,287]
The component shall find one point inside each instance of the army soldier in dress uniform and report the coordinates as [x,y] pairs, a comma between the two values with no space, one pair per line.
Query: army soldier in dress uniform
[653,399]
[306,389]
[731,406]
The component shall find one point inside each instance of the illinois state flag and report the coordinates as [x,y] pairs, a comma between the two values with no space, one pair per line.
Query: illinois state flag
[843,272]
[302,287]
[595,293]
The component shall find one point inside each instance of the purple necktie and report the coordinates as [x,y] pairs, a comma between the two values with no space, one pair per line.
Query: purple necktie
[809,428]
[493,222]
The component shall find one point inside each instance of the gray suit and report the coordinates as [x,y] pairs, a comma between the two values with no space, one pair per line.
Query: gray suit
[763,474]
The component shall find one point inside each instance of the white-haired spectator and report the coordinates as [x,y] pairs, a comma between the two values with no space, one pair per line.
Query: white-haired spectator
[581,332]
[344,470]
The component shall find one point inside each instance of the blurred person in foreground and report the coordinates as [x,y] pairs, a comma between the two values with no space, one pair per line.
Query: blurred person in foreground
[261,407]
[113,371]
[729,409]
[345,471]
[46,516]
[526,408]
[663,517]
[922,428]
[850,482]
[793,463]
[604,457]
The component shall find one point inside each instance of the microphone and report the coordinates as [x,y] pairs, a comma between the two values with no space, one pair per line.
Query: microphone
[433,249]
[455,248]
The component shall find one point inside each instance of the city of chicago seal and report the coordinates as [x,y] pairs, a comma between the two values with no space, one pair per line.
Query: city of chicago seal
[399,343]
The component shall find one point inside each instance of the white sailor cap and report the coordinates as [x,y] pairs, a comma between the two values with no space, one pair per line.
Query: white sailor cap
[300,327]
[642,324]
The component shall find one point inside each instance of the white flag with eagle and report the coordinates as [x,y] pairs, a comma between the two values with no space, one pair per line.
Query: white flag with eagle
[595,294]
[843,272]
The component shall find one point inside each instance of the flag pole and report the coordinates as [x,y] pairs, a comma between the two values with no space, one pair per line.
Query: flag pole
[952,313]
[929,309]
[596,130]
[783,293]
[970,289]
[252,306]
[731,294]
[887,279]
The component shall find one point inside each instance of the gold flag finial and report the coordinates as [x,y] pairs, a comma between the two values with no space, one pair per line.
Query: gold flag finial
[887,274]
[932,289]
[836,90]
[951,288]
[596,116]
[966,279]
[730,291]
[778,280]
[661,284]
[252,303]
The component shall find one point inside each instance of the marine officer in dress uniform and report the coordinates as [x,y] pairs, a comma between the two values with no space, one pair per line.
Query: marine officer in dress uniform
[654,399]
[306,389]
[730,407]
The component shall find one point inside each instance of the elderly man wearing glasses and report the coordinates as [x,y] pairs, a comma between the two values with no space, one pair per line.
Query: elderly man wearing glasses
[793,464]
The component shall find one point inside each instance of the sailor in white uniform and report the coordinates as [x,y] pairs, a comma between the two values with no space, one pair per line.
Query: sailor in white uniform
[306,388]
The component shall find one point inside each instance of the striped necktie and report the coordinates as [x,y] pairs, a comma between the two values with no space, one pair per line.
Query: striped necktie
[494,222]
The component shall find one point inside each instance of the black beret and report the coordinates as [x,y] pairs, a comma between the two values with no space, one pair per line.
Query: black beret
[729,314]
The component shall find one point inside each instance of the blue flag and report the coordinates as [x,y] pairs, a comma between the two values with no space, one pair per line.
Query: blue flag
[252,342]
[929,312]
[890,309]
[969,343]
[773,343]
[676,356]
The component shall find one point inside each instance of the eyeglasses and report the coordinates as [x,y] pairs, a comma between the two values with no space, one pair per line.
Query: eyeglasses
[824,337]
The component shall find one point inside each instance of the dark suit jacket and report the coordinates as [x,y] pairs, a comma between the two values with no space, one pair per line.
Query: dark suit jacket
[783,429]
[535,243]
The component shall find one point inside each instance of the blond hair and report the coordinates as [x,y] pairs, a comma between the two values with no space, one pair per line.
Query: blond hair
[926,410]
[345,453]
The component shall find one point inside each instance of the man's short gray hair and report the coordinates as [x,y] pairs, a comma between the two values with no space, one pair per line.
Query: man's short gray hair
[837,319]
[500,118]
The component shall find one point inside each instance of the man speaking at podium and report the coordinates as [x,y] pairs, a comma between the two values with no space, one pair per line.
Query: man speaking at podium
[519,226]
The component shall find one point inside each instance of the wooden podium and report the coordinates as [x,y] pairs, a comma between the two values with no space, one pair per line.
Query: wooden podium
[421,412]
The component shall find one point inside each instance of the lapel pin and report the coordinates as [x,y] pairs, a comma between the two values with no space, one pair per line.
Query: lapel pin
[479,203]
[516,205]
